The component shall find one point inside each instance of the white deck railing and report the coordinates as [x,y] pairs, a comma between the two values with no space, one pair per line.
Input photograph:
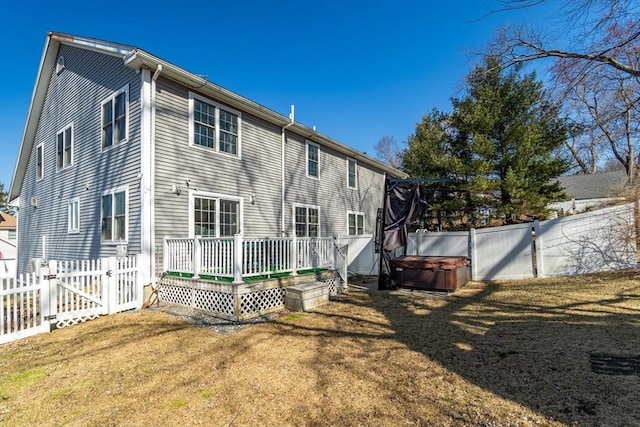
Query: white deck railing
[237,257]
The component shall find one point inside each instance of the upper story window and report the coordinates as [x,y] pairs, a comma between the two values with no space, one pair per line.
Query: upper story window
[307,220]
[39,162]
[213,126]
[13,235]
[115,118]
[313,160]
[352,173]
[355,223]
[64,147]
[73,216]
[215,216]
[114,215]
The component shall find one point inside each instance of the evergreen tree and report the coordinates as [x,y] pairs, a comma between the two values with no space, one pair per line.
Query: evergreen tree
[500,140]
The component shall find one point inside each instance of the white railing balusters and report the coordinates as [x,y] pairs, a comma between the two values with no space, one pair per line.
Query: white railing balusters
[238,257]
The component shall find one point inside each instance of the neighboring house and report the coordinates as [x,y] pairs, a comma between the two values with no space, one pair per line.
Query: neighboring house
[8,244]
[590,191]
[122,148]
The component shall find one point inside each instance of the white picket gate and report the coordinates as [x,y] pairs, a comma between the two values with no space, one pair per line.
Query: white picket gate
[66,293]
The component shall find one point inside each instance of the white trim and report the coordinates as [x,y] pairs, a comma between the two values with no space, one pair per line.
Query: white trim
[217,196]
[356,213]
[41,148]
[216,135]
[113,192]
[306,158]
[62,131]
[355,162]
[111,98]
[70,229]
[147,214]
[302,205]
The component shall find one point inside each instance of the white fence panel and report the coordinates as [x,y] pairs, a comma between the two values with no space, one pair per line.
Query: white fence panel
[502,252]
[452,243]
[596,241]
[361,255]
[128,292]
[21,313]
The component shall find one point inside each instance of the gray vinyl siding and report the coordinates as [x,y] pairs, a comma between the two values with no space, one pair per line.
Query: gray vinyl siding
[330,192]
[256,172]
[75,96]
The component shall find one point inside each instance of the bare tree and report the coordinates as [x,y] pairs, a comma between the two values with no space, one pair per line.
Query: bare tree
[596,74]
[607,31]
[387,150]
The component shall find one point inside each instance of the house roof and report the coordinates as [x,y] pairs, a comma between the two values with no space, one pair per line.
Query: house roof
[593,186]
[7,222]
[136,59]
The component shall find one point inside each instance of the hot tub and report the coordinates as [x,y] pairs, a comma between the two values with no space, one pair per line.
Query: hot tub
[430,272]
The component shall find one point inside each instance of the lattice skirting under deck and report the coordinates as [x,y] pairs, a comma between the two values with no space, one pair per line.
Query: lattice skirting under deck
[223,303]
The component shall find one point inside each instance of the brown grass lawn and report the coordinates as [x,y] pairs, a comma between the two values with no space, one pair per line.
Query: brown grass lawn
[494,354]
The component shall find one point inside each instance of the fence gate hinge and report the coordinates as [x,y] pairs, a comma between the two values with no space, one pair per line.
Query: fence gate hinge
[50,277]
[109,273]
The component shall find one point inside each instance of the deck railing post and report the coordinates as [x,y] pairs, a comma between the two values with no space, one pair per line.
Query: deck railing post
[165,255]
[197,257]
[237,258]
[294,255]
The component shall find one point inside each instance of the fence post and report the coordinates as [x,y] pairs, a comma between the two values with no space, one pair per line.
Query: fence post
[110,284]
[48,293]
[237,258]
[472,254]
[197,257]
[139,286]
[537,239]
[294,255]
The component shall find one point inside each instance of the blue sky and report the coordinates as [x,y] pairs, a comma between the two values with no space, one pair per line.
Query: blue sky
[357,70]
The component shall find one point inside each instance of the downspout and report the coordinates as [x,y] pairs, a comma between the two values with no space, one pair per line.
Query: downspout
[282,183]
[152,190]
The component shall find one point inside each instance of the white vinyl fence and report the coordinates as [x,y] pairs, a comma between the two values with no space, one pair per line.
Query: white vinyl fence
[597,241]
[65,293]
[590,242]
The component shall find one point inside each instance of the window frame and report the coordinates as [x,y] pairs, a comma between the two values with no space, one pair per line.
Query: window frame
[61,163]
[356,215]
[71,213]
[307,223]
[112,99]
[217,128]
[351,160]
[218,198]
[308,160]
[40,166]
[113,192]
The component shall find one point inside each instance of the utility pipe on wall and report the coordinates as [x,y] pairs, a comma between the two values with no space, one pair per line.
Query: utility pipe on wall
[282,184]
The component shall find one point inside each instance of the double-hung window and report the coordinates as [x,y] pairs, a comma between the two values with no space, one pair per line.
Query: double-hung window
[355,223]
[114,216]
[352,173]
[307,221]
[215,216]
[115,118]
[39,162]
[313,160]
[214,126]
[64,147]
[73,216]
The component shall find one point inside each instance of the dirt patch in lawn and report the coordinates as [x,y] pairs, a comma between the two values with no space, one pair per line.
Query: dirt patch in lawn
[492,354]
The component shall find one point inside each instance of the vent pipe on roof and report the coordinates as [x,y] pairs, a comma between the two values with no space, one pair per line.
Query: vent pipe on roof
[282,162]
